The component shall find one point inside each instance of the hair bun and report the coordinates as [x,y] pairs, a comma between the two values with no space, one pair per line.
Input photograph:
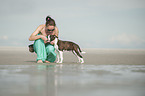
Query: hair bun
[50,21]
[48,18]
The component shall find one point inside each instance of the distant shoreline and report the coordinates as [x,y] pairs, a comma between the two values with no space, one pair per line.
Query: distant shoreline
[117,49]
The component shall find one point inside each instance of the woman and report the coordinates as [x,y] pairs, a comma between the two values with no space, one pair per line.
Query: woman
[45,53]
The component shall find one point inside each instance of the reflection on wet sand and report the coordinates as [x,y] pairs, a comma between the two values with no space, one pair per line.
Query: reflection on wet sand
[72,80]
[50,81]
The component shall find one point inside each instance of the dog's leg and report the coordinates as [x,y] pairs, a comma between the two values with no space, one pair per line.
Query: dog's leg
[58,56]
[58,53]
[61,56]
[79,55]
[76,55]
[80,58]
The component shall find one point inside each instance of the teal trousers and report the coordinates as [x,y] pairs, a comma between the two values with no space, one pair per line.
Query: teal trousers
[44,52]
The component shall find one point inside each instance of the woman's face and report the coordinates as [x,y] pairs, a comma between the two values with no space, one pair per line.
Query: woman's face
[49,29]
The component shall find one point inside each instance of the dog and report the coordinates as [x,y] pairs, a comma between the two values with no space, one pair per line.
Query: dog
[61,46]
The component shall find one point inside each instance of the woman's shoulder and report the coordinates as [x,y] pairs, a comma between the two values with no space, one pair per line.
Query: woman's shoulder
[41,26]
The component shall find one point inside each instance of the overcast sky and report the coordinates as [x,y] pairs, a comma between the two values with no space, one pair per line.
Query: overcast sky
[89,23]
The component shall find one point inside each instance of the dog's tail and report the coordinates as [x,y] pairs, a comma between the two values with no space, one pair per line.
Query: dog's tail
[81,50]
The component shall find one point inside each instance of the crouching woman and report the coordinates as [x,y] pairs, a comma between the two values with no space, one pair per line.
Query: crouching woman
[45,52]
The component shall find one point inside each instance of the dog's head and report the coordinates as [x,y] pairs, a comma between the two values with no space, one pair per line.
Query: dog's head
[52,37]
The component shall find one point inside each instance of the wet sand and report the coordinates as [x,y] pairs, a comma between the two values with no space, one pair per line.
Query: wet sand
[106,72]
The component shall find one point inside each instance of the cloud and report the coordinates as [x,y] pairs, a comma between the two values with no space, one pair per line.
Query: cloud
[10,7]
[4,37]
[127,39]
[117,4]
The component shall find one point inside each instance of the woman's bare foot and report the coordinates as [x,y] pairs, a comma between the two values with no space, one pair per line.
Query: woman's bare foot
[39,61]
[47,61]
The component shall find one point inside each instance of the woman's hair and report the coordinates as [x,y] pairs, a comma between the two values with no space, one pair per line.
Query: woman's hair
[50,21]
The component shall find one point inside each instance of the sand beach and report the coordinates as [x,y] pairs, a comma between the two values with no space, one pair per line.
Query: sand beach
[21,56]
[106,72]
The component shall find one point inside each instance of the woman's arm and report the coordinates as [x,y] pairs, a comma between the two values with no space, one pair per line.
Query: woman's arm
[34,35]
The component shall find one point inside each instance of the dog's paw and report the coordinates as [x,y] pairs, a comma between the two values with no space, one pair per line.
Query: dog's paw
[82,62]
[58,62]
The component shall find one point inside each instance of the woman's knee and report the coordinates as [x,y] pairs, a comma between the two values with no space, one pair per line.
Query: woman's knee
[50,48]
[38,44]
[39,41]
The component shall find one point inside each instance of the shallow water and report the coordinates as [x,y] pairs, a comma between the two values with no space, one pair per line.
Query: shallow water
[72,80]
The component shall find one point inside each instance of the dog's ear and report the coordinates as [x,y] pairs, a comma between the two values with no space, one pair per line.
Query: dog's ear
[52,37]
[55,36]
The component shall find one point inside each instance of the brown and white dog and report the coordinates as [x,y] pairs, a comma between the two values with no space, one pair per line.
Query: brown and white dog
[61,46]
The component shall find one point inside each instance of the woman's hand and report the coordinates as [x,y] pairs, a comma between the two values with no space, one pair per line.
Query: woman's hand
[52,42]
[44,38]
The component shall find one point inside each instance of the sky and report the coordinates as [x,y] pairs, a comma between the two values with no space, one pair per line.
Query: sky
[89,23]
